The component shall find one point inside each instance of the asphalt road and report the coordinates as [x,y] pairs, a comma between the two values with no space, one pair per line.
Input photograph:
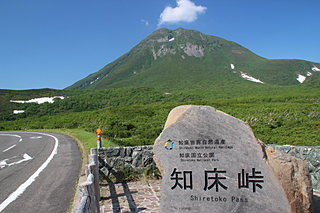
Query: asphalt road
[38,172]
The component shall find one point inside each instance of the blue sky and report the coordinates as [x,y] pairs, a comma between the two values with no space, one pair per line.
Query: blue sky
[54,43]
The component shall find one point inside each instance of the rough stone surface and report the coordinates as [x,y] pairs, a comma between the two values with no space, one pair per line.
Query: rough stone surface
[294,176]
[311,155]
[193,50]
[207,167]
[164,50]
[114,159]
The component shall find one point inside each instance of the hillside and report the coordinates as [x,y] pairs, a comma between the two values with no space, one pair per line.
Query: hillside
[6,107]
[130,98]
[188,59]
[277,120]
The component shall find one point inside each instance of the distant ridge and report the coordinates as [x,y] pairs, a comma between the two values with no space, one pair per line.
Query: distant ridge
[182,58]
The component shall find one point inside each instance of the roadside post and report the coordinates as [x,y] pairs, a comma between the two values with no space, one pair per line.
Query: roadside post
[98,131]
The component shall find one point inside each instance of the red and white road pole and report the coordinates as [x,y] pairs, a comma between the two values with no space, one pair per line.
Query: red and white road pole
[98,138]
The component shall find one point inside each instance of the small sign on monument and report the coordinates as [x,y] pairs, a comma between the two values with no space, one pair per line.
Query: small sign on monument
[212,162]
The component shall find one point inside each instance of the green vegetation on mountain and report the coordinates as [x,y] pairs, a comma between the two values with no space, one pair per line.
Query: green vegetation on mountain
[6,107]
[77,101]
[187,59]
[130,98]
[284,119]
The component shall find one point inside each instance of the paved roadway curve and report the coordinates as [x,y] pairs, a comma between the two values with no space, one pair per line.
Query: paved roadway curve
[38,172]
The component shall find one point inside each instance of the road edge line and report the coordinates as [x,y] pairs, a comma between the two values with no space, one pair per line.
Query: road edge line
[19,191]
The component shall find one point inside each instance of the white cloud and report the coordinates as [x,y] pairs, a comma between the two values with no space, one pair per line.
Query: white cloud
[145,22]
[185,11]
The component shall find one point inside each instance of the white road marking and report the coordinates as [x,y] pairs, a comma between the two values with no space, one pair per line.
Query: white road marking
[26,157]
[13,196]
[4,162]
[36,137]
[9,148]
[20,139]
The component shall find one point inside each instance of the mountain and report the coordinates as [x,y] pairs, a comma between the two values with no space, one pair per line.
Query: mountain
[180,59]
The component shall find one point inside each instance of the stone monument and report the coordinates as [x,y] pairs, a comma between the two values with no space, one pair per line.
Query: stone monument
[212,162]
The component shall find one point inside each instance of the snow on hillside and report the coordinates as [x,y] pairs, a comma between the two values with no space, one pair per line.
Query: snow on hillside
[250,78]
[171,39]
[94,80]
[301,78]
[18,111]
[232,66]
[39,100]
[315,69]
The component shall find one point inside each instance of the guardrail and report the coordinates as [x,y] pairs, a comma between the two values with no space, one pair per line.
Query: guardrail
[90,190]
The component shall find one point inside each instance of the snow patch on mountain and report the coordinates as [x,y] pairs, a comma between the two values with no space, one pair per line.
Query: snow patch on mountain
[154,54]
[39,100]
[94,80]
[232,66]
[309,73]
[315,69]
[16,111]
[171,39]
[301,78]
[250,78]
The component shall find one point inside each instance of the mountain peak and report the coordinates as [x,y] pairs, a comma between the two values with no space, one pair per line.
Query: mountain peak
[171,58]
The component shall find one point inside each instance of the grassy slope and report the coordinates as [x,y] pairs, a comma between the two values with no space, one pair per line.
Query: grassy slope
[78,101]
[7,95]
[88,139]
[177,71]
[281,119]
